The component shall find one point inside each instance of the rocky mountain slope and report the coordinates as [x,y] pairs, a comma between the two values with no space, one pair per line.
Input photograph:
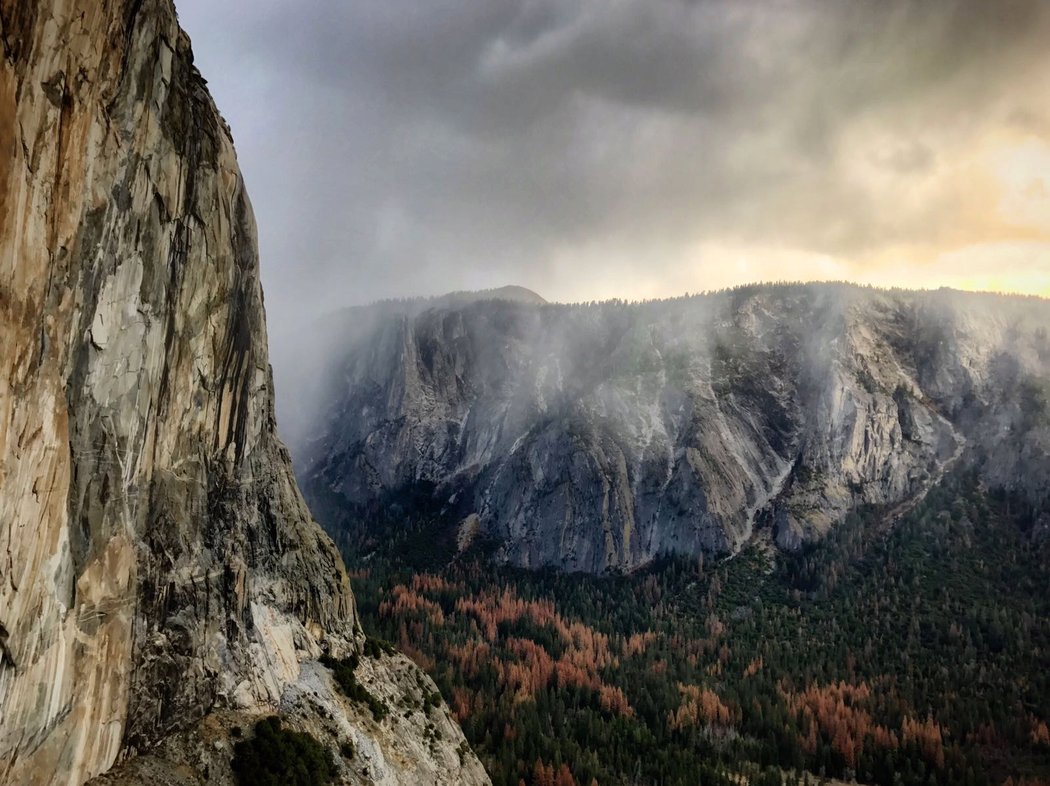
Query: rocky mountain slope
[161,580]
[306,352]
[596,437]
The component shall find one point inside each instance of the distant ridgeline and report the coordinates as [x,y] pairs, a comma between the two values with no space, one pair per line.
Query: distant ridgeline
[600,437]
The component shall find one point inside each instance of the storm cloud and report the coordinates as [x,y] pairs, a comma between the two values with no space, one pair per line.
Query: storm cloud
[632,148]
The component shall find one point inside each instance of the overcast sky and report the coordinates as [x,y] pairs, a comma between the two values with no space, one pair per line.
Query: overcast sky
[590,149]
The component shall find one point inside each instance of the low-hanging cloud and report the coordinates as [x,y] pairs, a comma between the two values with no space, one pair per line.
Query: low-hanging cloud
[624,148]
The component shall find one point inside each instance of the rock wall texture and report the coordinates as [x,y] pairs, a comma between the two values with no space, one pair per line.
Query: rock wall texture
[158,566]
[598,437]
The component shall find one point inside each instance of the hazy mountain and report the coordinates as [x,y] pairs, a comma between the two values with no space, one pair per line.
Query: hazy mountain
[597,437]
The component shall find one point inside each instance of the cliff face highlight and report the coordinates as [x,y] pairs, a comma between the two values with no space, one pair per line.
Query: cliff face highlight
[157,562]
[599,437]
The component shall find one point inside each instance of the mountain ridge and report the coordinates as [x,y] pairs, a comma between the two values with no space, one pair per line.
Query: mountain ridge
[677,425]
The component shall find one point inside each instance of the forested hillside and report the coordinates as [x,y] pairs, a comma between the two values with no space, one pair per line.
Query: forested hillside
[898,651]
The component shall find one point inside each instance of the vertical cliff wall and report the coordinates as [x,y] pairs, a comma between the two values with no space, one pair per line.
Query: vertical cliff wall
[596,438]
[157,562]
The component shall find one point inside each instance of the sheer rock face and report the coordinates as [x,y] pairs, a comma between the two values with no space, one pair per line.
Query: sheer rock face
[598,437]
[157,562]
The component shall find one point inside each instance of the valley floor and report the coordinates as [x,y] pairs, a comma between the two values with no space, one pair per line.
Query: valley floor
[921,656]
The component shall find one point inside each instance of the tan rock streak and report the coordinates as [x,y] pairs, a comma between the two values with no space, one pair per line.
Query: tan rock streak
[157,563]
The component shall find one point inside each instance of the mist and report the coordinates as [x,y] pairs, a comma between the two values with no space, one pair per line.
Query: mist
[634,150]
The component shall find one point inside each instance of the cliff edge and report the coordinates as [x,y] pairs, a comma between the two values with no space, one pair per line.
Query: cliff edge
[161,580]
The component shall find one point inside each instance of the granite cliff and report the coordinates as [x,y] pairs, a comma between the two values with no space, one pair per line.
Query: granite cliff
[161,580]
[597,437]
